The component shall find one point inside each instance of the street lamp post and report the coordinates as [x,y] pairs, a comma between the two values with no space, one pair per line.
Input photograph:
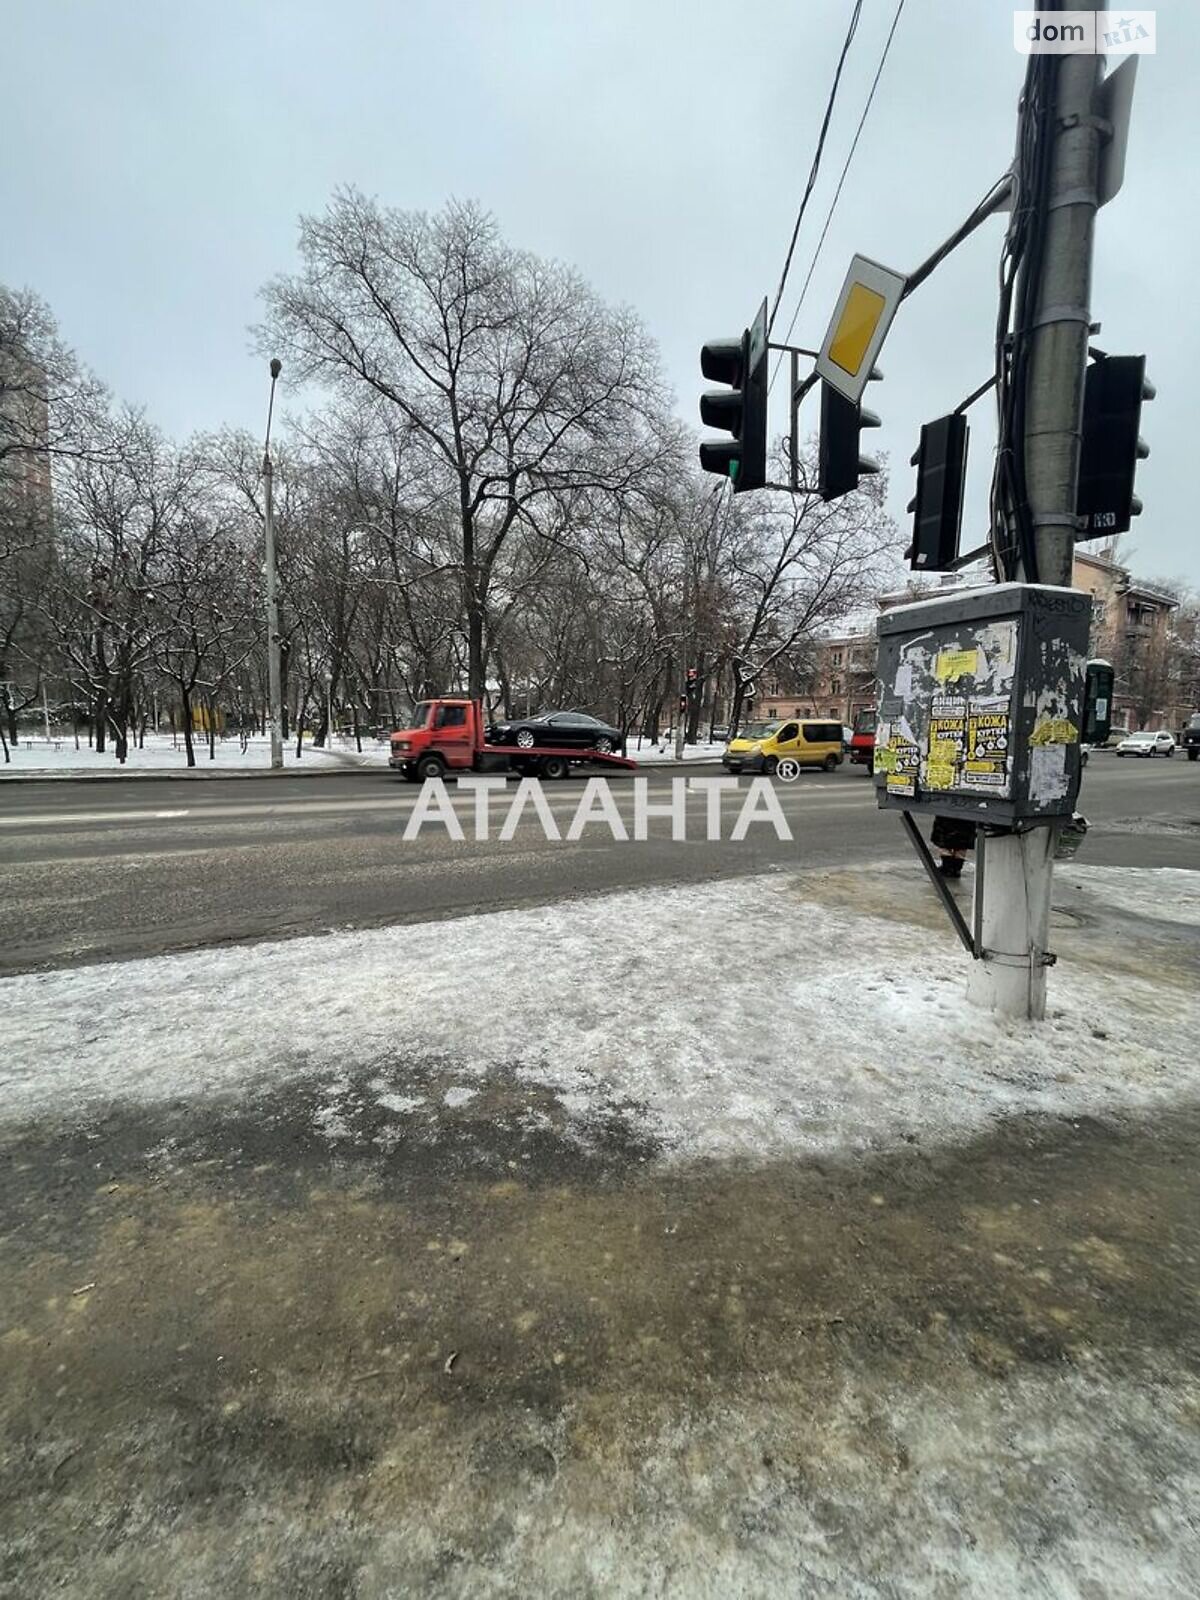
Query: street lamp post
[274,674]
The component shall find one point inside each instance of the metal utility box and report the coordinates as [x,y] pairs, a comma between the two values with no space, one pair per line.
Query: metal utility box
[981,703]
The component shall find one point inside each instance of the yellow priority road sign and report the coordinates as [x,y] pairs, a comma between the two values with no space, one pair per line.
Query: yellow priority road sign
[859,325]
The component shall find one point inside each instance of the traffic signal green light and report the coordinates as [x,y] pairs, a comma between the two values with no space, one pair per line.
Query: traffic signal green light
[739,409]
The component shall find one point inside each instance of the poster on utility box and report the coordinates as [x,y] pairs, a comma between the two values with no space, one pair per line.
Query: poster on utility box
[946,725]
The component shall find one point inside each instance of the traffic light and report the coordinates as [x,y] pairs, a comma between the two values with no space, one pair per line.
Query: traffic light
[741,409]
[941,463]
[1112,412]
[840,462]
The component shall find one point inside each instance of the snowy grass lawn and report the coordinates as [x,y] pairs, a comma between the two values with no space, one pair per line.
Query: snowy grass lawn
[663,753]
[738,1018]
[60,759]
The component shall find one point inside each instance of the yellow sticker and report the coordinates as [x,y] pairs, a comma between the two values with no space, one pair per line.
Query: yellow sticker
[953,664]
[939,775]
[1055,730]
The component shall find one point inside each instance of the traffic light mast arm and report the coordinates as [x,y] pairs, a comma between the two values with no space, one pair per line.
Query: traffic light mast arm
[996,199]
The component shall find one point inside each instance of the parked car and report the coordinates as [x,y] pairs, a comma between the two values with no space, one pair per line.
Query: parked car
[1191,736]
[559,729]
[1148,743]
[721,735]
[761,746]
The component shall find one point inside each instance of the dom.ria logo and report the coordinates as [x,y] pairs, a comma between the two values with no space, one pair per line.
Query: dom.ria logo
[1070,33]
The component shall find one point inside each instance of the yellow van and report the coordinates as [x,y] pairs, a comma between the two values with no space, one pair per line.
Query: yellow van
[761,746]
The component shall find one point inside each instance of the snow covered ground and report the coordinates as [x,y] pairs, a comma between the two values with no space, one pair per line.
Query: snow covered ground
[646,754]
[377,1262]
[734,1019]
[60,759]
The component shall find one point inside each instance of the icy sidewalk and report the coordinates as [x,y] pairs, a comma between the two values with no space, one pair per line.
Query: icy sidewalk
[815,1012]
[377,1264]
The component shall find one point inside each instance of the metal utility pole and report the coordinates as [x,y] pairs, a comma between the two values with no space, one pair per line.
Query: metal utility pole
[1015,889]
[681,704]
[274,673]
[1058,343]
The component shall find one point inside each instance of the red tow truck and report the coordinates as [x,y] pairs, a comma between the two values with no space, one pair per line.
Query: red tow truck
[449,735]
[862,740]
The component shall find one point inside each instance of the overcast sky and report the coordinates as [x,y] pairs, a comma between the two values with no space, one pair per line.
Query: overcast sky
[156,157]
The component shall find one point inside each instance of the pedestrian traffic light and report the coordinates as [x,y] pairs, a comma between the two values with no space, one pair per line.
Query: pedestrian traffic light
[741,409]
[1097,701]
[1112,412]
[840,462]
[941,463]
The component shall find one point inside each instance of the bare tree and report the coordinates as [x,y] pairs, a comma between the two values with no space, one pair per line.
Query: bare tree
[118,503]
[511,379]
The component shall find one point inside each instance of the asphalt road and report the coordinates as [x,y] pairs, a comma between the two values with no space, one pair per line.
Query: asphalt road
[127,868]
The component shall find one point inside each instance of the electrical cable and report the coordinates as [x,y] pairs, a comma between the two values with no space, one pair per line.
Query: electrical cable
[1013,535]
[837,193]
[816,161]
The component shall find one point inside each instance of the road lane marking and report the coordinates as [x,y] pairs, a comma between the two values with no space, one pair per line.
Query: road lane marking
[286,810]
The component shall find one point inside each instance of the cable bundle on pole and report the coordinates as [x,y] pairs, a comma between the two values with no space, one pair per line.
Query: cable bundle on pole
[1012,532]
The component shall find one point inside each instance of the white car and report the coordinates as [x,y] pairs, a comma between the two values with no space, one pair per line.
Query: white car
[1161,743]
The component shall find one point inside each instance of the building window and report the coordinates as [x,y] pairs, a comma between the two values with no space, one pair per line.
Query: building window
[835,686]
[836,658]
[772,712]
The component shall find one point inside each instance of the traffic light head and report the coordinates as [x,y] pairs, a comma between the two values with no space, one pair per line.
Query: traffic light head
[840,462]
[740,409]
[941,463]
[1097,701]
[1112,412]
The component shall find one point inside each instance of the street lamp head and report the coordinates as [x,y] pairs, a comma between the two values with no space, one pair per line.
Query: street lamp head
[276,367]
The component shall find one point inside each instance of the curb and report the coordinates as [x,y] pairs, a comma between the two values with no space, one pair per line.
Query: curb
[192,775]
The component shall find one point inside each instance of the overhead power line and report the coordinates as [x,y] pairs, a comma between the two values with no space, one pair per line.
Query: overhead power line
[816,162]
[812,265]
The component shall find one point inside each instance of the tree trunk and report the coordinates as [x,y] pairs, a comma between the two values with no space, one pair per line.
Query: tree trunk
[212,729]
[99,722]
[476,666]
[735,709]
[185,708]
